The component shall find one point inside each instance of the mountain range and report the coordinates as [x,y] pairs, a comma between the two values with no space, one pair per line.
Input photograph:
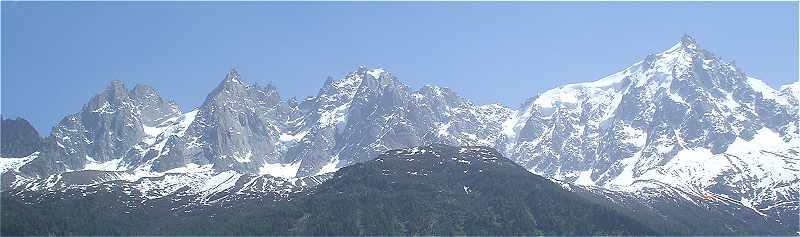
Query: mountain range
[681,142]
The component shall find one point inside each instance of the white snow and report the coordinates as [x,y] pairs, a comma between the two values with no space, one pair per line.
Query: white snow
[330,167]
[376,73]
[156,137]
[515,122]
[470,136]
[111,165]
[674,57]
[280,170]
[170,183]
[13,164]
[288,137]
[243,158]
[766,91]
[749,204]
[186,120]
[348,85]
[152,131]
[562,95]
[334,117]
[412,151]
[634,136]
[585,178]
[442,130]
[220,182]
[792,89]
[676,98]
[575,93]
[626,177]
[192,168]
[764,139]
[771,171]
[105,109]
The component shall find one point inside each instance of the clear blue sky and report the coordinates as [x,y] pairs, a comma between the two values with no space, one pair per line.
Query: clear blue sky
[55,56]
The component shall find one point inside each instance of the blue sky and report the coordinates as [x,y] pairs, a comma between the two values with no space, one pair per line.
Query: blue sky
[55,56]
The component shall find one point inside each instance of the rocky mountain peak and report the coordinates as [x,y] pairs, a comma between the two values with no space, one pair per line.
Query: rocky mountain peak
[154,109]
[110,100]
[231,86]
[116,87]
[143,90]
[232,76]
[686,44]
[113,93]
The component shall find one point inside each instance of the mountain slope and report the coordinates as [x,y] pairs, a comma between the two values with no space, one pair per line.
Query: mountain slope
[673,210]
[434,189]
[447,190]
[683,118]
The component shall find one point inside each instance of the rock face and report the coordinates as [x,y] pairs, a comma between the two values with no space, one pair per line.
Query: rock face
[237,128]
[369,111]
[19,138]
[105,130]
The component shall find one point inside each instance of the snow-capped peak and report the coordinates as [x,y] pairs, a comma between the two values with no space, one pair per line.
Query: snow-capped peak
[685,44]
[679,56]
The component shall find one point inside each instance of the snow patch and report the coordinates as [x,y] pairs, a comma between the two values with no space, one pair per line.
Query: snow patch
[104,109]
[376,73]
[220,182]
[634,136]
[280,170]
[111,165]
[330,167]
[585,178]
[287,137]
[626,177]
[13,164]
[764,139]
[246,158]
[442,131]
[334,117]
[192,168]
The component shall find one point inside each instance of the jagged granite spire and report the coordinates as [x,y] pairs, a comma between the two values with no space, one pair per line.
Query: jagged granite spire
[106,129]
[237,128]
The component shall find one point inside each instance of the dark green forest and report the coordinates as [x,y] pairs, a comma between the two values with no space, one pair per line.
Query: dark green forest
[445,191]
